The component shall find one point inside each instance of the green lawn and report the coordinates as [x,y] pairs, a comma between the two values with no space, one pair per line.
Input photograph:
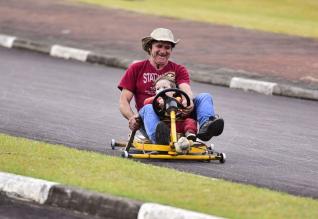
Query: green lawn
[122,177]
[295,17]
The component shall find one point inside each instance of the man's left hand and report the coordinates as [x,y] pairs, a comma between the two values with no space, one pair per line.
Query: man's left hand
[188,109]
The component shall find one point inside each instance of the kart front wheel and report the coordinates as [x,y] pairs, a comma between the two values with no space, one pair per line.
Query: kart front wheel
[124,154]
[113,144]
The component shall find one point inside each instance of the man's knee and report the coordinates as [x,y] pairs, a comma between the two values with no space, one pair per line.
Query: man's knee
[203,97]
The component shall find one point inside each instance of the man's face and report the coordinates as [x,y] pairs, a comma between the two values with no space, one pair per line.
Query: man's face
[160,52]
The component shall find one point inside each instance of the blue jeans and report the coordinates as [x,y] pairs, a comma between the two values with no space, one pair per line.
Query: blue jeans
[203,110]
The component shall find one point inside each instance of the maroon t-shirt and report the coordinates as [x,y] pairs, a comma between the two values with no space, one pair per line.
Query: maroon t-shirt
[139,78]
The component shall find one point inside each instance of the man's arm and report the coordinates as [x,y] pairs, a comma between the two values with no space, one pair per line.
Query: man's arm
[125,109]
[187,89]
[124,103]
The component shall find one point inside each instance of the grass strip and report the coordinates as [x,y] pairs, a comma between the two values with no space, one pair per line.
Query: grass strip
[295,17]
[135,180]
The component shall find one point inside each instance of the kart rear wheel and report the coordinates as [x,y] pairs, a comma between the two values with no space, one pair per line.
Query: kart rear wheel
[211,147]
[222,157]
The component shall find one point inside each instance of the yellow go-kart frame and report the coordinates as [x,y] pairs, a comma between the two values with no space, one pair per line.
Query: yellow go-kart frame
[142,148]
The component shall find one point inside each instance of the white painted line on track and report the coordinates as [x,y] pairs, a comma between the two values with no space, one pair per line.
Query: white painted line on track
[69,53]
[25,187]
[157,211]
[7,41]
[263,87]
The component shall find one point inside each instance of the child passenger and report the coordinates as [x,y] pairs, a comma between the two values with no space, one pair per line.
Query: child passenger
[187,126]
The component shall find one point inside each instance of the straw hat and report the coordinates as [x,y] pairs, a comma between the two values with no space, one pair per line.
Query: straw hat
[158,34]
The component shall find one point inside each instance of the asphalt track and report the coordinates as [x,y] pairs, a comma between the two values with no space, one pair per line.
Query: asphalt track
[270,141]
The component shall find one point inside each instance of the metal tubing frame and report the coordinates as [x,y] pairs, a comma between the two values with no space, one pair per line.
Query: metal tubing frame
[173,127]
[156,147]
[175,157]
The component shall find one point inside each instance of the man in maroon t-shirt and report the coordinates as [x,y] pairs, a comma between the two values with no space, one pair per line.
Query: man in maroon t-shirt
[138,80]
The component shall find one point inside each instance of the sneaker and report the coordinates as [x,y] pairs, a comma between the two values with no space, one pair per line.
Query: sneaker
[182,146]
[212,127]
[162,133]
[190,136]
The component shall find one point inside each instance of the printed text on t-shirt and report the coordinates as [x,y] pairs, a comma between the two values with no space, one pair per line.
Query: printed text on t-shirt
[149,77]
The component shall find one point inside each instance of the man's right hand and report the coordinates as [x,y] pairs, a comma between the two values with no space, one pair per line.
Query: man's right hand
[134,122]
